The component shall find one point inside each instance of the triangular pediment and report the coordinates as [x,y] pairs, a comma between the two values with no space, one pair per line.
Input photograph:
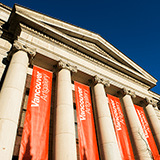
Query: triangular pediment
[85,41]
[96,49]
[93,47]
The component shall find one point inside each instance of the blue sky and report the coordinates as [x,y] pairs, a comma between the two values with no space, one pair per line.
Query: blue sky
[133,27]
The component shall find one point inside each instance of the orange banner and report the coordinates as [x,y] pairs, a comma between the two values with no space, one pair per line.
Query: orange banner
[120,127]
[35,138]
[147,132]
[86,128]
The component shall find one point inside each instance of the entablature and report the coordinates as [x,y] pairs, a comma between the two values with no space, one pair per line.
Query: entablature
[51,40]
[64,33]
[57,40]
[56,50]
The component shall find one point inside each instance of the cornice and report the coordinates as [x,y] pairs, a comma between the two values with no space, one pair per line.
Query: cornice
[88,58]
[6,7]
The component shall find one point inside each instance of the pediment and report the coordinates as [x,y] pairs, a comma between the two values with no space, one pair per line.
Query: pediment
[83,40]
[96,49]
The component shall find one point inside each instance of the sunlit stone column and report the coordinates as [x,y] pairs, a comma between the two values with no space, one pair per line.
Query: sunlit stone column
[155,124]
[11,98]
[108,143]
[5,46]
[65,141]
[140,147]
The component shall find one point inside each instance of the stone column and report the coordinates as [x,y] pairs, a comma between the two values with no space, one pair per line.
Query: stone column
[155,124]
[65,140]
[5,46]
[108,143]
[140,143]
[11,98]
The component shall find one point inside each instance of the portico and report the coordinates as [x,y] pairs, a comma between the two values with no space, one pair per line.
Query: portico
[72,54]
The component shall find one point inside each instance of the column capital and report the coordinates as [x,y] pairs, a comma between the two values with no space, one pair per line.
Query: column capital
[158,105]
[64,65]
[102,81]
[19,46]
[30,51]
[150,101]
[129,92]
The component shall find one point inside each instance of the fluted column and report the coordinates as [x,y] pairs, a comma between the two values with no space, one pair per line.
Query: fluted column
[65,140]
[11,98]
[153,120]
[140,148]
[108,143]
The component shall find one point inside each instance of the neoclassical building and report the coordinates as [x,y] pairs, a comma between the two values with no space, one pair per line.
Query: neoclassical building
[29,38]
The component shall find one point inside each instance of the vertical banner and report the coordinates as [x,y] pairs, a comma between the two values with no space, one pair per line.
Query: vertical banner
[120,127]
[147,132]
[86,128]
[35,137]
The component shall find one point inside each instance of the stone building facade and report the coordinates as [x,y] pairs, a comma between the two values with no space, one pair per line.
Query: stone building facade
[30,38]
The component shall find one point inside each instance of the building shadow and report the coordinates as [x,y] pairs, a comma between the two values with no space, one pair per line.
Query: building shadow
[27,154]
[84,156]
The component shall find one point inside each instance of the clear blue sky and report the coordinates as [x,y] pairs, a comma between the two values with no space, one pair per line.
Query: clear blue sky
[131,26]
